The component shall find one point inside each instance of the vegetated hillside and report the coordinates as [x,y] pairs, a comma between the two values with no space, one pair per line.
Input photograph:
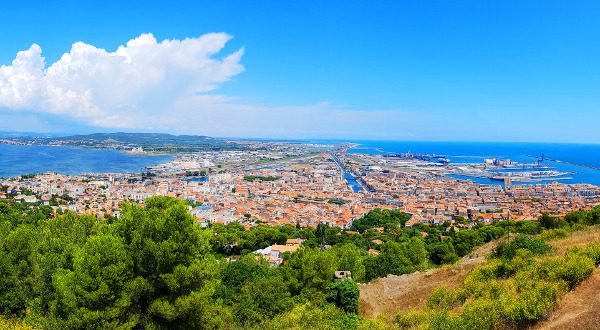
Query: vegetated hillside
[550,281]
[143,139]
[149,141]
[580,308]
[392,294]
[152,141]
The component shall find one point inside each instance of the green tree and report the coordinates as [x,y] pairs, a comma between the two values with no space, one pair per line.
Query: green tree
[394,259]
[350,257]
[262,299]
[442,253]
[466,240]
[344,294]
[309,269]
[93,295]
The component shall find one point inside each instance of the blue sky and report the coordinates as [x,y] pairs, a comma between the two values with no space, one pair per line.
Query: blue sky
[436,70]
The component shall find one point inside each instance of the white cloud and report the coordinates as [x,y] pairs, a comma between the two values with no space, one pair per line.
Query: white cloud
[163,86]
[116,89]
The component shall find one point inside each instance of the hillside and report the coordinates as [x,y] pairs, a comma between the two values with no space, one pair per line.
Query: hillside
[155,267]
[408,294]
[143,139]
[580,308]
[160,142]
[392,294]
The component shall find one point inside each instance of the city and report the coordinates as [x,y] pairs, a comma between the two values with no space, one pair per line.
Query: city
[300,185]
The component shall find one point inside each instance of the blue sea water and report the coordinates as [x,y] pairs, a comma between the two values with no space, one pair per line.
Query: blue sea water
[582,159]
[17,160]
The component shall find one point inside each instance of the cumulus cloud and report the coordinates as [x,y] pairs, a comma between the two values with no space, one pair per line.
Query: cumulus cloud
[167,86]
[117,89]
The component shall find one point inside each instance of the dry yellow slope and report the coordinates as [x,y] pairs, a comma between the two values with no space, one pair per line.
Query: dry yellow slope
[392,294]
[580,308]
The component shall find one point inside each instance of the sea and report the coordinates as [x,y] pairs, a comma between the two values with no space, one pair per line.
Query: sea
[581,159]
[18,160]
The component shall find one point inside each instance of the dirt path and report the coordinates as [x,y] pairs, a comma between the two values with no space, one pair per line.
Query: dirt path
[579,309]
[392,294]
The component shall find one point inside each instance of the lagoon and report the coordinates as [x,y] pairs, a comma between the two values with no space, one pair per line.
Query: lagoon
[18,160]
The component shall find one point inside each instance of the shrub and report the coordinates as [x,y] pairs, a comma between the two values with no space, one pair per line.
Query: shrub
[571,269]
[442,298]
[344,294]
[551,234]
[446,320]
[480,314]
[411,319]
[508,250]
[532,303]
[591,251]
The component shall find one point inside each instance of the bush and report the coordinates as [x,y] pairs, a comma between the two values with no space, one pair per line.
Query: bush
[532,303]
[508,250]
[591,251]
[443,298]
[309,316]
[411,320]
[344,294]
[571,269]
[480,314]
[551,234]
[446,320]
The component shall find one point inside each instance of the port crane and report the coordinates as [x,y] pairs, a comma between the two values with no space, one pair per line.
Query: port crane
[540,160]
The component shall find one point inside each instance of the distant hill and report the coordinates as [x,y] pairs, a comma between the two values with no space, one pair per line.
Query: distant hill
[152,142]
[11,135]
[145,139]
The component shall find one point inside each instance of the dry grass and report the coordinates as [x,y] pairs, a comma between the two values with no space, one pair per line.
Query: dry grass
[578,238]
[390,295]
[580,308]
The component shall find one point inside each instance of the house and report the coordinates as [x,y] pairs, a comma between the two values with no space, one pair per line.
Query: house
[274,253]
[26,199]
[341,275]
[279,250]
[294,241]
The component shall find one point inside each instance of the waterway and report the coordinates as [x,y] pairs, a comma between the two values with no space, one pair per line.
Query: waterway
[351,179]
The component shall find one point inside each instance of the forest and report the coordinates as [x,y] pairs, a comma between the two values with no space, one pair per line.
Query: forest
[156,267]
